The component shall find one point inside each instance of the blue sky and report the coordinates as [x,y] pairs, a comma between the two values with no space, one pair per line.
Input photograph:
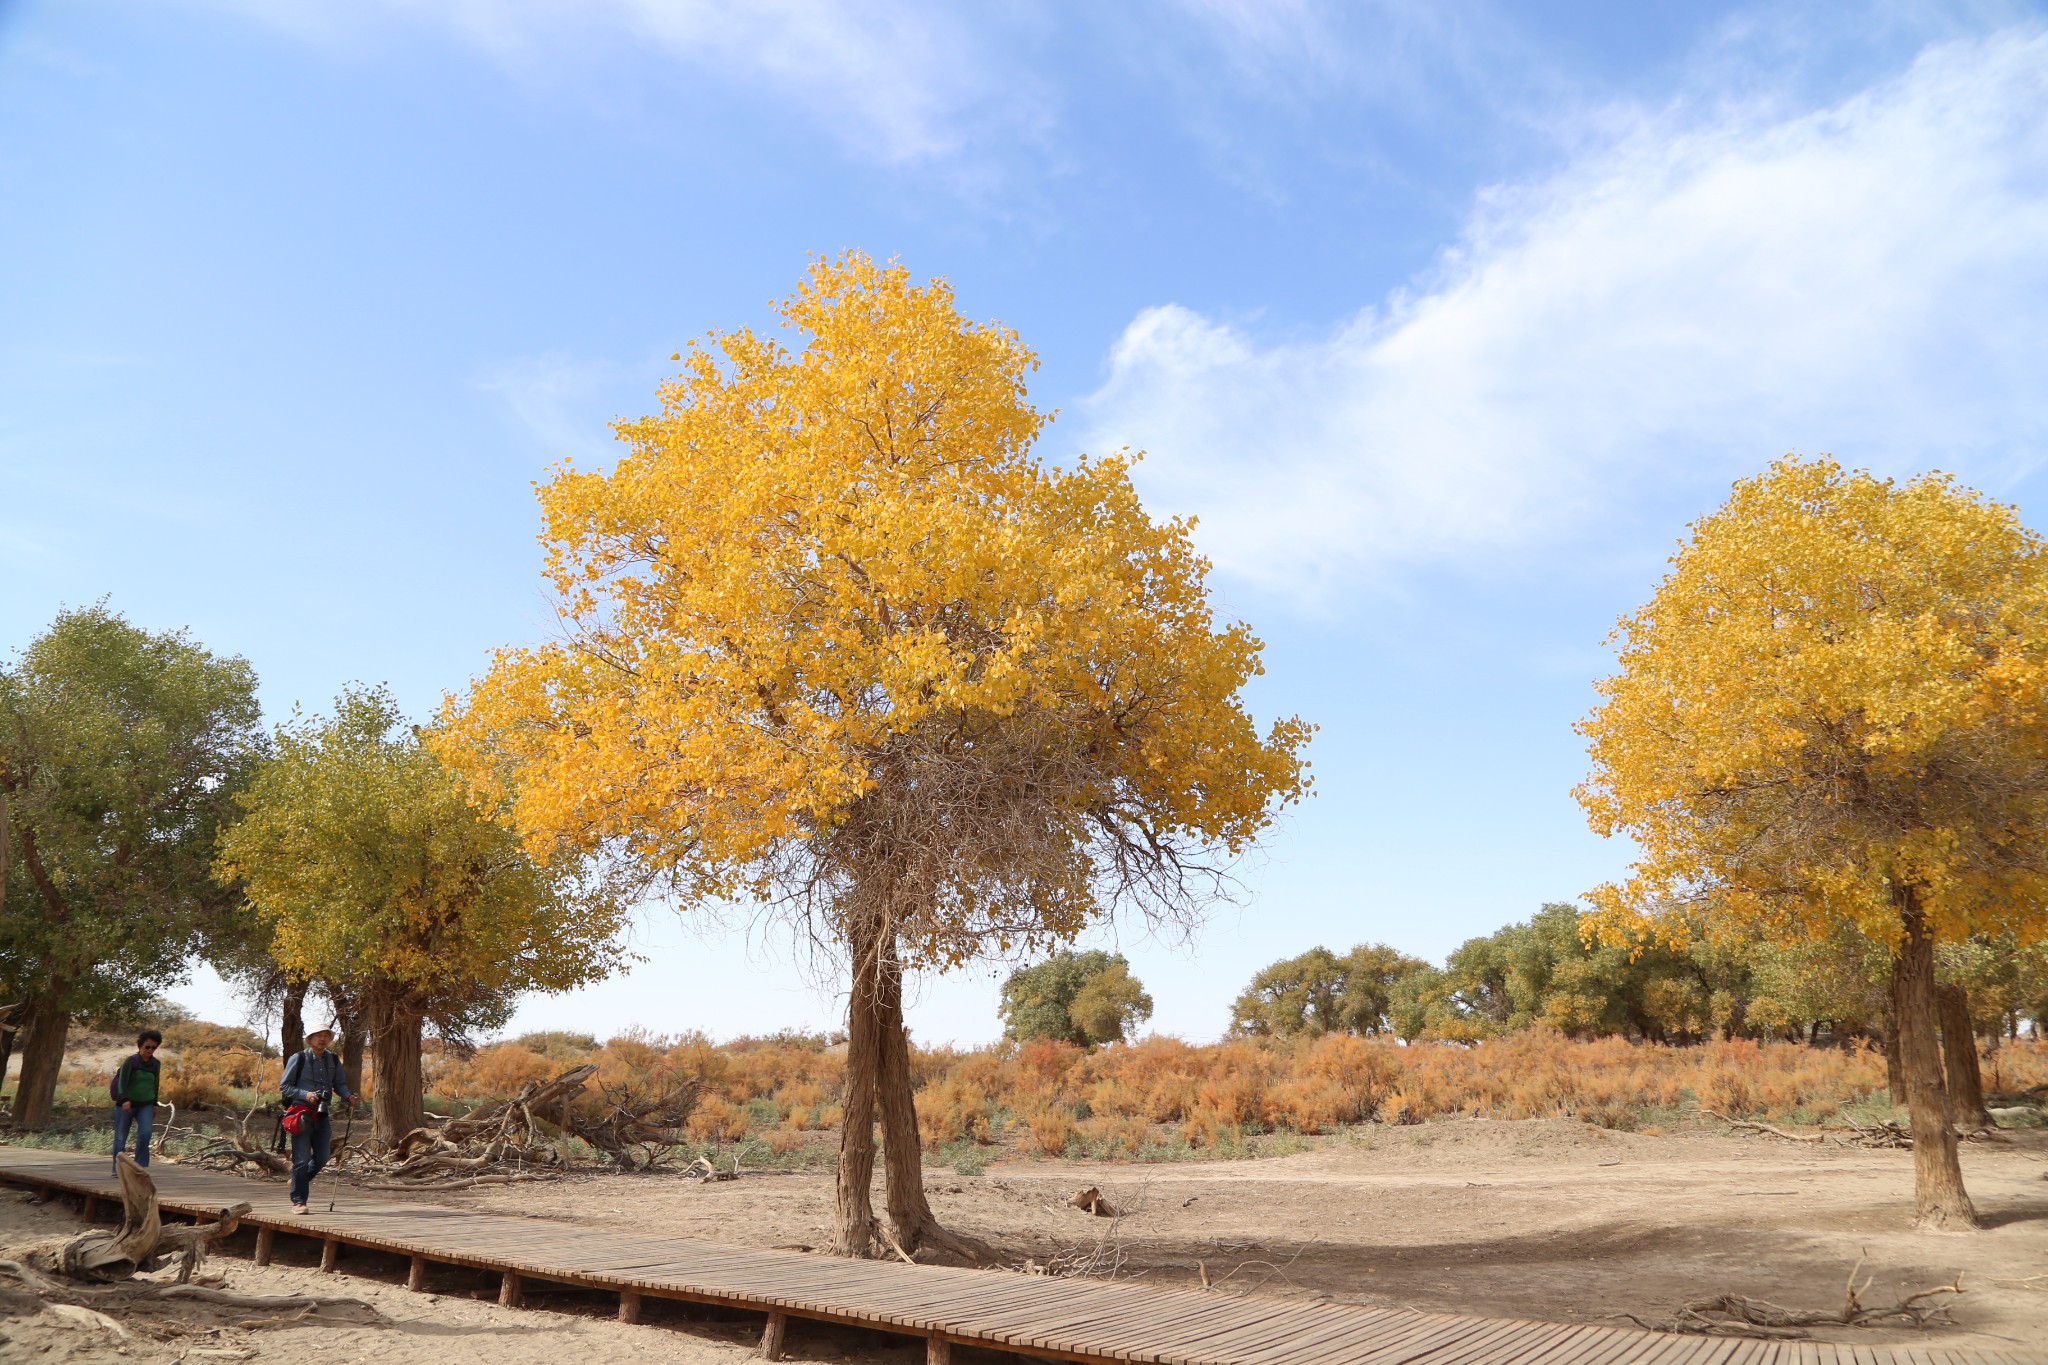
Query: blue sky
[1444,319]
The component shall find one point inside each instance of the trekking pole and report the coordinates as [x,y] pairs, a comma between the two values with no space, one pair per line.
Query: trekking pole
[347,1127]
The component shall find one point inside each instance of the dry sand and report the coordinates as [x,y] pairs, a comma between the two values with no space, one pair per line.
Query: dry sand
[1546,1220]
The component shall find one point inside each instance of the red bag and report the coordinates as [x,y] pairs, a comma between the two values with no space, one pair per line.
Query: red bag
[297,1116]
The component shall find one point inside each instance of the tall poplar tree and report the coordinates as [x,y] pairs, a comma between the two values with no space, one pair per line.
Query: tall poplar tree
[1830,713]
[120,753]
[836,640]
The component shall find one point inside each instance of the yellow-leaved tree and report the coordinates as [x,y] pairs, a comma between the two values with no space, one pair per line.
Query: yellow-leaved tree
[375,871]
[1831,713]
[838,643]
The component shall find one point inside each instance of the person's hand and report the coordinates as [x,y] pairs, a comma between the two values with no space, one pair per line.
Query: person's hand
[128,1105]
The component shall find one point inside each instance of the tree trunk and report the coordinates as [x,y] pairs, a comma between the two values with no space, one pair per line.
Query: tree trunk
[395,1042]
[1894,1047]
[1940,1201]
[7,1037]
[910,1214]
[855,1211]
[352,1040]
[42,1056]
[292,1028]
[1959,1055]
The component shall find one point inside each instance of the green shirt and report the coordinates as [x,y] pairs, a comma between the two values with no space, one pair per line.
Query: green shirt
[136,1081]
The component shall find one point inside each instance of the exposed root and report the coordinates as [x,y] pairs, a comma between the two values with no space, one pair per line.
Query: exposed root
[931,1235]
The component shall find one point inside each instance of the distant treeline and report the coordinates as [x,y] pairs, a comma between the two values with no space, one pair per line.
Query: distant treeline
[1544,971]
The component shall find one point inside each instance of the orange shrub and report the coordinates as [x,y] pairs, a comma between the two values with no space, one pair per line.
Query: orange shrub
[1044,1095]
[716,1117]
[494,1073]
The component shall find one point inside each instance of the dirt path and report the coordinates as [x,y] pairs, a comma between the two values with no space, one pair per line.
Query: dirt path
[1538,1219]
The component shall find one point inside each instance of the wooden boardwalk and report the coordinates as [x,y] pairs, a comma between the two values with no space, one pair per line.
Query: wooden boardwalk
[1059,1319]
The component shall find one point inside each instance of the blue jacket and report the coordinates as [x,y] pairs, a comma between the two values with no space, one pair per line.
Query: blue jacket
[310,1070]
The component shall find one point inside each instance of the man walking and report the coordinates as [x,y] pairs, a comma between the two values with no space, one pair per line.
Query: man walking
[313,1080]
[134,1090]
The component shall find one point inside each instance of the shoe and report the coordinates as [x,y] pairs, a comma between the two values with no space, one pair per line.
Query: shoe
[302,1208]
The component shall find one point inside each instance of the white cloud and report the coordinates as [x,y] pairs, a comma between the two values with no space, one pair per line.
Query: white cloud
[900,80]
[1700,294]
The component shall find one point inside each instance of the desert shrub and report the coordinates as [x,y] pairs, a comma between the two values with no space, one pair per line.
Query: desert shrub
[198,1035]
[194,1089]
[495,1072]
[1164,1095]
[565,1049]
[716,1117]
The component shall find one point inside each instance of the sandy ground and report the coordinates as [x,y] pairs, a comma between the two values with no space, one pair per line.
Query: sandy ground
[1546,1220]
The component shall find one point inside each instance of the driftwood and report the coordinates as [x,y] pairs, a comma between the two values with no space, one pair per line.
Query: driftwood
[98,1255]
[1738,1315]
[1091,1200]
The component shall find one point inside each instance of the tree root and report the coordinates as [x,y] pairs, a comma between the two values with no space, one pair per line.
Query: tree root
[1740,1315]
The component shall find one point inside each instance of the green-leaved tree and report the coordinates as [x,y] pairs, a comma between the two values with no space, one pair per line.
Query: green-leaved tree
[120,753]
[376,871]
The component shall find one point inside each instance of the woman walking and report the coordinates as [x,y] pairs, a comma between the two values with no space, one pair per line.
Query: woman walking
[134,1090]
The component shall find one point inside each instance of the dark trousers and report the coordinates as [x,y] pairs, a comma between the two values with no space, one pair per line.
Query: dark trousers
[139,1117]
[309,1155]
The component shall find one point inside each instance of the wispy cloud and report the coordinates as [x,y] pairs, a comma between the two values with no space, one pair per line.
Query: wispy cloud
[558,402]
[901,80]
[1701,293]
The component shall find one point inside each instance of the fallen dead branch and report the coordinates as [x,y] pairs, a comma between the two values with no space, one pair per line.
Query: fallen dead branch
[237,1150]
[1882,1135]
[516,1140]
[638,1131]
[1740,1315]
[1771,1130]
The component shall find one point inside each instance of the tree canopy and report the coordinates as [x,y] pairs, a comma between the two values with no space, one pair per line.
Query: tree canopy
[836,640]
[1087,999]
[1828,714]
[373,869]
[120,754]
[1319,992]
